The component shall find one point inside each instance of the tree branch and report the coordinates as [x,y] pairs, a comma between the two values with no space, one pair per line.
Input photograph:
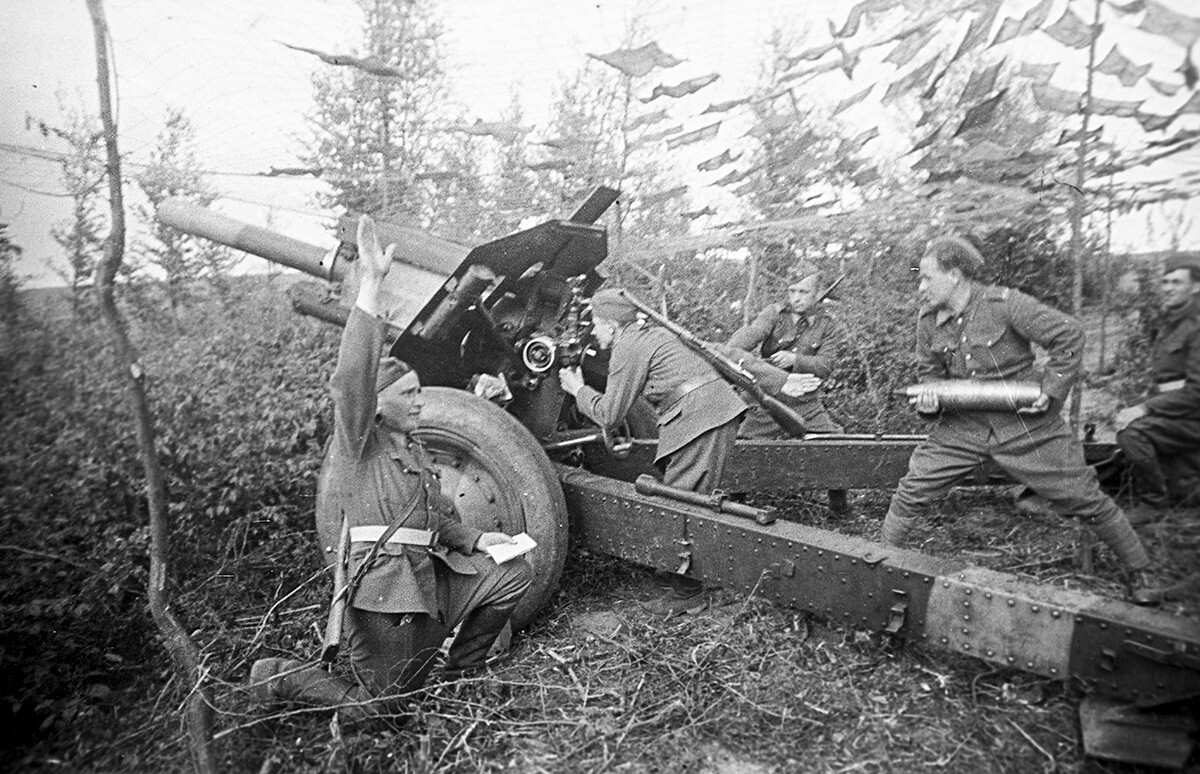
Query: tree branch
[182,649]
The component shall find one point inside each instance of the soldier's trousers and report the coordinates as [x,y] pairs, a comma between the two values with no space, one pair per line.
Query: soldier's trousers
[1047,459]
[391,653]
[1148,442]
[699,464]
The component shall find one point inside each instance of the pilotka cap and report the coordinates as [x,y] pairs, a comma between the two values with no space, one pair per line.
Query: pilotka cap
[802,270]
[611,305]
[1182,261]
[391,369]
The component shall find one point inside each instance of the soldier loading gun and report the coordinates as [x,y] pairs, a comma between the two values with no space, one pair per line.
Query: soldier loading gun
[970,331]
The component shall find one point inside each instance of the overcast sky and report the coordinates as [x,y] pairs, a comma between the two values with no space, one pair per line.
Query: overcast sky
[223,62]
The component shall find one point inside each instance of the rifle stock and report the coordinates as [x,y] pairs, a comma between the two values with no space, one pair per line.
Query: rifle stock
[332,641]
[729,370]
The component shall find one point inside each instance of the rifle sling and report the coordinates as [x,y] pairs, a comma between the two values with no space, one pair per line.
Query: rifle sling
[361,572]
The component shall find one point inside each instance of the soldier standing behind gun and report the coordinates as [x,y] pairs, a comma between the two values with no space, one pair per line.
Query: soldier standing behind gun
[968,330]
[1166,426]
[798,337]
[698,412]
[416,571]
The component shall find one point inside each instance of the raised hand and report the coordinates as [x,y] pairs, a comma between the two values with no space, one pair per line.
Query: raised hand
[376,261]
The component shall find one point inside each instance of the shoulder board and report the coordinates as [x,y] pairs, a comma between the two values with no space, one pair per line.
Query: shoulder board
[997,293]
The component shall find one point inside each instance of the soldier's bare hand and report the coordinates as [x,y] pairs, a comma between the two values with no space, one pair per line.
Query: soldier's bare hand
[571,380]
[784,359]
[800,384]
[1039,406]
[376,260]
[926,401]
[1129,414]
[489,539]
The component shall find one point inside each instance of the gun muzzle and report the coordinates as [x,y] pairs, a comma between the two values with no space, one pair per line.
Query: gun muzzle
[975,395]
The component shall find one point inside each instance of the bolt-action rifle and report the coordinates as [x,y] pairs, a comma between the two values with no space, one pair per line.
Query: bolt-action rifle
[730,370]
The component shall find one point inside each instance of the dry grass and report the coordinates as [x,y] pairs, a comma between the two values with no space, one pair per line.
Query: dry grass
[600,684]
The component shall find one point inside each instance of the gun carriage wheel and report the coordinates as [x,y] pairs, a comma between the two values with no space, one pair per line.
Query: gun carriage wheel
[500,479]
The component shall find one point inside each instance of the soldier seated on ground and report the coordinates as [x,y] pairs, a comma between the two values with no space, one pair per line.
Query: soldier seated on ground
[1164,429]
[968,330]
[800,337]
[415,570]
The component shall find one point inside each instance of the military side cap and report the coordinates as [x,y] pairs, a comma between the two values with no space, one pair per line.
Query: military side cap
[801,270]
[955,251]
[391,369]
[611,305]
[1182,261]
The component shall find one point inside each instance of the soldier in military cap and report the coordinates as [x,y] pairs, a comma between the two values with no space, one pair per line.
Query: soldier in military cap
[1165,427]
[698,412]
[968,330]
[798,336]
[416,570]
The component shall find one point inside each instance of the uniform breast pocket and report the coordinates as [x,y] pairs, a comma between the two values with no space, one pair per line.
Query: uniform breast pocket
[984,345]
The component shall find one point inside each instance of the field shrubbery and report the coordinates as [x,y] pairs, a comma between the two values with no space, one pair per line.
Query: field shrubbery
[239,391]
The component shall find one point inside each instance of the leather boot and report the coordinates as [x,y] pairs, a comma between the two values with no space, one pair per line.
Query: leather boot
[1120,537]
[468,653]
[282,679]
[895,527]
[1142,590]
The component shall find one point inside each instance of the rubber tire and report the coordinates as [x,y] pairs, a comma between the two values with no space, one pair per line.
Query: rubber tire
[501,480]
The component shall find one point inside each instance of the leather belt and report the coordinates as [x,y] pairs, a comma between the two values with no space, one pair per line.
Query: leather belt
[688,385]
[1171,386]
[402,535]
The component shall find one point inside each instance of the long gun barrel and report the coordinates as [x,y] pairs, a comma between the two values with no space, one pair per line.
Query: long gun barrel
[191,218]
[975,395]
[730,370]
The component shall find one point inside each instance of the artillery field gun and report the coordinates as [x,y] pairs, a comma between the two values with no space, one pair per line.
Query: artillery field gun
[487,328]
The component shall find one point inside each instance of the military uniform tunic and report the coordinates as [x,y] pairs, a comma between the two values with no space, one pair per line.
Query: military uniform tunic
[812,338]
[410,596]
[697,410]
[991,340]
[1170,430]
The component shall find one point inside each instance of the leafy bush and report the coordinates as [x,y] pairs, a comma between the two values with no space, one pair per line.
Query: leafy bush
[242,416]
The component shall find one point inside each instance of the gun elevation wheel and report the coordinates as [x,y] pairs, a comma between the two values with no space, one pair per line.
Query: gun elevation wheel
[500,480]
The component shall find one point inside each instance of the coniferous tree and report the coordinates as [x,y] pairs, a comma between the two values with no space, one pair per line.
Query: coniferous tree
[174,172]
